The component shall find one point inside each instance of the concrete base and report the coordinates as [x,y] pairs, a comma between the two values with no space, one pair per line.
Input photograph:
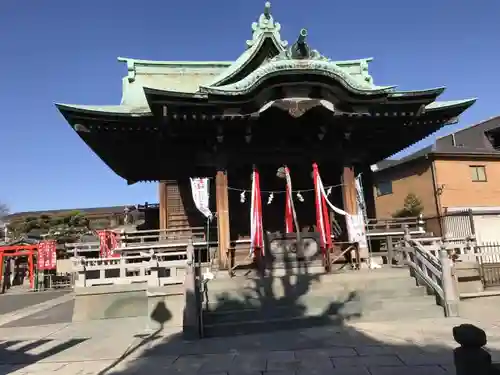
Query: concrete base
[113,301]
[160,306]
[468,276]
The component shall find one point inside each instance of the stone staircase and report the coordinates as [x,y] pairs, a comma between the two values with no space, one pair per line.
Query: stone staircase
[300,296]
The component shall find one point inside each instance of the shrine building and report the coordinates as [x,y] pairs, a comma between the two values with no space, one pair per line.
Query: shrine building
[276,104]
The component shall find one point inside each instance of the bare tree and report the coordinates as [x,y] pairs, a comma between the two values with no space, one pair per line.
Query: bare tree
[4,210]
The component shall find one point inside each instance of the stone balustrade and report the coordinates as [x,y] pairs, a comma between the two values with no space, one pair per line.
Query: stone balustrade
[156,269]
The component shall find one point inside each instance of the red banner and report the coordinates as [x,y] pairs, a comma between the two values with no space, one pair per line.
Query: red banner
[256,229]
[47,255]
[322,216]
[108,243]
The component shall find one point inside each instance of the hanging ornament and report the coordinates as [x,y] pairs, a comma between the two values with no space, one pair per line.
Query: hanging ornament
[300,197]
[270,199]
[329,191]
[242,197]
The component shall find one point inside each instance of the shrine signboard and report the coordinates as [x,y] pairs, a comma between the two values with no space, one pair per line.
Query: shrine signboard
[47,257]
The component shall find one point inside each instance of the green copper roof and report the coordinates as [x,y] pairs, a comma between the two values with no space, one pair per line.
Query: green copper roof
[315,66]
[267,29]
[352,73]
[438,106]
[266,55]
[133,64]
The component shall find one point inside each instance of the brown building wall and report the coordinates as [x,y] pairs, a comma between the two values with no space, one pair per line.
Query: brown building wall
[458,190]
[413,177]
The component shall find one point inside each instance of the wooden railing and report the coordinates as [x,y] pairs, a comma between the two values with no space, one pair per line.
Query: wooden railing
[455,247]
[394,226]
[82,249]
[476,265]
[177,235]
[141,240]
[464,249]
[436,272]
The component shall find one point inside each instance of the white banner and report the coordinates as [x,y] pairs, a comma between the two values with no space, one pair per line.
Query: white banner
[358,220]
[356,229]
[201,195]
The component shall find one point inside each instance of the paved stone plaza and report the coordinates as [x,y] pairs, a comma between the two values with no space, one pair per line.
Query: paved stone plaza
[127,346]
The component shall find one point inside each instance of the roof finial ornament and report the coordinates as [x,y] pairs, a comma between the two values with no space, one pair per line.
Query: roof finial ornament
[266,25]
[300,50]
[267,9]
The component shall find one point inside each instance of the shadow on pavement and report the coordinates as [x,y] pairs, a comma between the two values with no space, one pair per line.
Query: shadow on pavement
[322,344]
[14,354]
[326,342]
[18,301]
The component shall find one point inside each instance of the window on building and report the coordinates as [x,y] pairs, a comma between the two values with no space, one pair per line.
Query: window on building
[384,188]
[478,173]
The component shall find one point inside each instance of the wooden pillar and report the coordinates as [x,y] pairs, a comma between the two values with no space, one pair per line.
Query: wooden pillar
[349,191]
[163,209]
[222,205]
[30,268]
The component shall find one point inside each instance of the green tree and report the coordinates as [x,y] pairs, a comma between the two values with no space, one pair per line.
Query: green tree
[412,206]
[63,229]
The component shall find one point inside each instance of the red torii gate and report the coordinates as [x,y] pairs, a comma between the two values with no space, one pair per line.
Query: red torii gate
[17,251]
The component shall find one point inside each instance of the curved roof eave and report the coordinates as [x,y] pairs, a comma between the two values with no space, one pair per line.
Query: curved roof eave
[326,68]
[355,61]
[173,94]
[413,93]
[444,105]
[112,110]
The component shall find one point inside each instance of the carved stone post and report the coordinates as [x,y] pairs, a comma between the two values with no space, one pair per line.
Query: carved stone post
[450,293]
[123,268]
[190,326]
[407,235]
[154,278]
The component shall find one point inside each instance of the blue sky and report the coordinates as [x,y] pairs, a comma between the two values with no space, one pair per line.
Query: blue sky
[65,51]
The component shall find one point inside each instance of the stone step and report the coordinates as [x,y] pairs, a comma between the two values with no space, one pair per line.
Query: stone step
[313,306]
[255,299]
[250,304]
[316,318]
[279,285]
[280,269]
[290,263]
[342,275]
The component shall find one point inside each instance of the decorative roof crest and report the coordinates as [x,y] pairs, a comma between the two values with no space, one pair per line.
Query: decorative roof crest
[264,25]
[300,50]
